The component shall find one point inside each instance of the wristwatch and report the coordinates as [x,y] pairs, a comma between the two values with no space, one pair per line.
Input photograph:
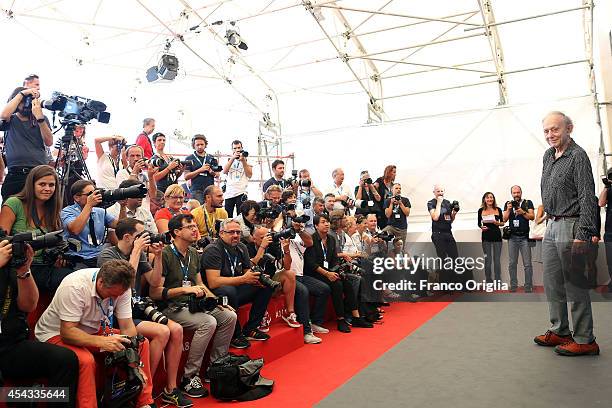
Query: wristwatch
[41,120]
[25,275]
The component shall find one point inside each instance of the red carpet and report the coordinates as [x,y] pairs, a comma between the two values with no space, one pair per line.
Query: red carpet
[307,375]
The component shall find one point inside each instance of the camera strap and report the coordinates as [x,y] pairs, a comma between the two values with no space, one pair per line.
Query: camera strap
[36,220]
[92,230]
[184,267]
[211,230]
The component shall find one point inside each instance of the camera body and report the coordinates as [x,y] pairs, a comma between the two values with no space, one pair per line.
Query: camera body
[455,206]
[287,233]
[110,197]
[268,211]
[399,198]
[384,235]
[367,181]
[243,153]
[49,241]
[345,268]
[205,304]
[264,279]
[305,183]
[144,308]
[165,238]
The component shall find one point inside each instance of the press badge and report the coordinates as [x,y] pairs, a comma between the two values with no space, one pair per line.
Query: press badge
[186,283]
[515,223]
[371,203]
[397,216]
[447,217]
[325,264]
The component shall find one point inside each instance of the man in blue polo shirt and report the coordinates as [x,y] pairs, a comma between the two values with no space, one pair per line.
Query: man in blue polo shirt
[87,223]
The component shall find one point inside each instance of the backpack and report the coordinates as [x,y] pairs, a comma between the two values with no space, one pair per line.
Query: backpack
[234,377]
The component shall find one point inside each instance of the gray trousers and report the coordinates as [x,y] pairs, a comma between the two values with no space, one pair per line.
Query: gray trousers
[204,326]
[564,281]
[516,244]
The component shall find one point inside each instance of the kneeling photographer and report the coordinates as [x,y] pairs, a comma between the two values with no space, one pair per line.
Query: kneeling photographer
[227,270]
[165,335]
[86,222]
[185,299]
[36,209]
[21,358]
[320,261]
[80,318]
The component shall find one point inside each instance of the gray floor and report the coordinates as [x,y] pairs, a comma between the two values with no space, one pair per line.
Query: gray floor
[476,355]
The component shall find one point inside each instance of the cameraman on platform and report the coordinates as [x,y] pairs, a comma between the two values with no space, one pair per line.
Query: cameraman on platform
[306,191]
[164,339]
[238,172]
[203,168]
[109,163]
[367,197]
[27,135]
[519,212]
[443,214]
[397,209]
[87,223]
[142,140]
[134,208]
[278,170]
[170,169]
[343,196]
[21,358]
[227,268]
[181,279]
[80,318]
[134,171]
[605,200]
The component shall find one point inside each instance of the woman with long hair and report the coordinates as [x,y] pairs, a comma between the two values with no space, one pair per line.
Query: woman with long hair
[174,198]
[490,218]
[37,208]
[384,185]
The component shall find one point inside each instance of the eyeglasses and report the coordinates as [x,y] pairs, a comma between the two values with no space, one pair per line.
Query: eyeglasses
[192,227]
[235,232]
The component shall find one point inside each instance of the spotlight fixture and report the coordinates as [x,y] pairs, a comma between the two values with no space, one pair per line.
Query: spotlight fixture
[166,69]
[233,37]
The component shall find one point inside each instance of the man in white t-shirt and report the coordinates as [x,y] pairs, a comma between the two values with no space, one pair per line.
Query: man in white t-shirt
[80,317]
[134,208]
[319,290]
[238,172]
[134,171]
[109,163]
[343,196]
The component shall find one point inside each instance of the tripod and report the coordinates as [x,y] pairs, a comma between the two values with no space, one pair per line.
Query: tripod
[70,152]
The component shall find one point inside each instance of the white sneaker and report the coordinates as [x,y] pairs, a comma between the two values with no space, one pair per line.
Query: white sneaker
[310,338]
[318,329]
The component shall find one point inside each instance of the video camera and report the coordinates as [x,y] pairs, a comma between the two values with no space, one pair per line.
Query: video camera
[264,279]
[205,304]
[345,268]
[110,197]
[76,109]
[52,242]
[144,308]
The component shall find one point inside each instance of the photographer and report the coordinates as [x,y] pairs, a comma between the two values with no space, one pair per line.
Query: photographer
[203,168]
[36,208]
[605,200]
[317,208]
[367,198]
[397,209]
[164,339]
[109,163]
[20,358]
[272,200]
[227,269]
[170,168]
[174,204]
[490,218]
[319,261]
[519,212]
[148,127]
[330,203]
[134,171]
[211,210]
[306,191]
[278,170]
[374,244]
[343,196]
[80,318]
[133,208]
[442,214]
[181,279]
[384,185]
[87,223]
[27,133]
[247,219]
[238,172]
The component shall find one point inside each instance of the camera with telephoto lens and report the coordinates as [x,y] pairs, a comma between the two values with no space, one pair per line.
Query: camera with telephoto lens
[399,198]
[205,304]
[123,379]
[305,183]
[288,233]
[294,177]
[268,211]
[264,279]
[49,241]
[345,268]
[144,308]
[302,219]
[161,163]
[384,235]
[165,238]
[76,109]
[455,206]
[306,203]
[110,197]
[203,242]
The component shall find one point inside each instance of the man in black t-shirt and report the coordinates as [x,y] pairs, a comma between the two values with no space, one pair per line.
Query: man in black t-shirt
[20,358]
[278,168]
[226,269]
[442,216]
[519,212]
[367,198]
[200,171]
[396,212]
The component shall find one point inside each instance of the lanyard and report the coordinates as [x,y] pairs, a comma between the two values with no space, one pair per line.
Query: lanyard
[209,229]
[184,267]
[7,303]
[324,251]
[107,321]
[114,164]
[233,262]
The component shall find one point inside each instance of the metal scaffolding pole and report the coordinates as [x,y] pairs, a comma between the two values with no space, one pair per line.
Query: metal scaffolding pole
[516,71]
[486,10]
[531,17]
[373,105]
[451,67]
[439,89]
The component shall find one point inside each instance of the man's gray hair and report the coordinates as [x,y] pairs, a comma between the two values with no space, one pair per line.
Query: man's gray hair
[566,119]
[227,221]
[147,121]
[336,171]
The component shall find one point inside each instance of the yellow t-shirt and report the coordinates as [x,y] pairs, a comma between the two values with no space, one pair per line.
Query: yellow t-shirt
[206,221]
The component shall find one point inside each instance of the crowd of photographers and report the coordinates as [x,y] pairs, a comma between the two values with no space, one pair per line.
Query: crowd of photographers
[131,262]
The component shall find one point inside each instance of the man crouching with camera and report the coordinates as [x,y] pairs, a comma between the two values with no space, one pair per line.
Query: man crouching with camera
[165,336]
[184,299]
[227,269]
[80,317]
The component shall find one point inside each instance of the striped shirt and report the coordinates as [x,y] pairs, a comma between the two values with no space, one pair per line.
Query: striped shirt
[568,188]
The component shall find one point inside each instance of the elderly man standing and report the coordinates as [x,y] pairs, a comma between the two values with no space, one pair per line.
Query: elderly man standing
[568,194]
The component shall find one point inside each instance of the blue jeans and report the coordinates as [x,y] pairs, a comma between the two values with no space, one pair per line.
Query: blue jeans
[320,292]
[492,251]
[516,244]
[243,294]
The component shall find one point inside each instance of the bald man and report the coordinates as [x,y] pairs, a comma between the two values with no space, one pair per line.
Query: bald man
[442,217]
